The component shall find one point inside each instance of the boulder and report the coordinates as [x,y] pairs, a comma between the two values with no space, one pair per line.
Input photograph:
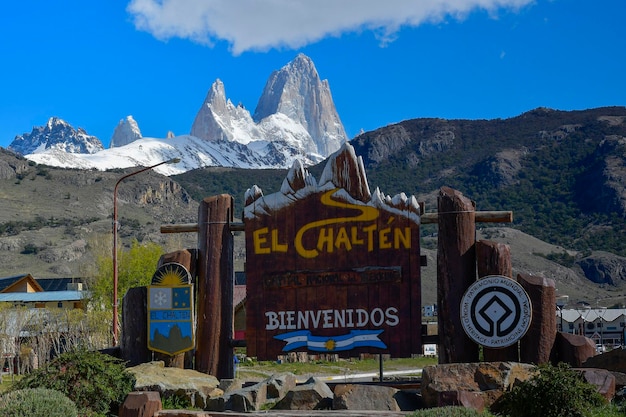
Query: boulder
[613,360]
[246,399]
[278,385]
[573,349]
[256,396]
[312,395]
[141,404]
[474,385]
[193,386]
[365,397]
[602,379]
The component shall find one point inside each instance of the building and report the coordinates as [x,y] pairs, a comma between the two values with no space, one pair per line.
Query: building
[26,291]
[605,326]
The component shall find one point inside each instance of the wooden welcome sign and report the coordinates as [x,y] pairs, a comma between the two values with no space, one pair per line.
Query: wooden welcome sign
[332,268]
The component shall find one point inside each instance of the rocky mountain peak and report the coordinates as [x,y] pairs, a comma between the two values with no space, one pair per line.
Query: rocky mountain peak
[57,134]
[295,117]
[218,119]
[297,91]
[126,131]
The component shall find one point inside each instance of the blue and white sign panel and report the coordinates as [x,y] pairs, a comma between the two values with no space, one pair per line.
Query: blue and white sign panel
[170,319]
[496,311]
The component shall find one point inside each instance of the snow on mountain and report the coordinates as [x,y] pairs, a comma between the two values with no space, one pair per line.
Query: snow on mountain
[193,152]
[125,132]
[295,119]
[56,135]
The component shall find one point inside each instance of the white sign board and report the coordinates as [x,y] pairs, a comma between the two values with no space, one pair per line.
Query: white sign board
[495,311]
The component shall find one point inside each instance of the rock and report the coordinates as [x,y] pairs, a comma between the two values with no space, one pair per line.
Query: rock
[246,399]
[604,268]
[193,386]
[613,360]
[365,397]
[312,395]
[475,385]
[253,397]
[602,379]
[278,385]
[141,404]
[573,349]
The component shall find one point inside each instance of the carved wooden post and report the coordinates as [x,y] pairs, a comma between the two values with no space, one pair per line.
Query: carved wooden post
[536,345]
[134,339]
[456,271]
[214,354]
[186,258]
[493,258]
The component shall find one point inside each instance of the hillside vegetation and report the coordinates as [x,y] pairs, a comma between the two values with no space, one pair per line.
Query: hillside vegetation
[563,174]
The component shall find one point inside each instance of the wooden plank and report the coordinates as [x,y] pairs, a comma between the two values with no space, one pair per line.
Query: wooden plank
[479,217]
[425,218]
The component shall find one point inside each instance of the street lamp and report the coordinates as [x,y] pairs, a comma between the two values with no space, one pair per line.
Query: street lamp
[560,303]
[115,227]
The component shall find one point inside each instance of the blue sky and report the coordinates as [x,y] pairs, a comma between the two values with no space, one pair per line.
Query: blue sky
[94,63]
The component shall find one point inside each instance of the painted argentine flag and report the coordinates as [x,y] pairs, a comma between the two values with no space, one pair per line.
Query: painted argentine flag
[352,340]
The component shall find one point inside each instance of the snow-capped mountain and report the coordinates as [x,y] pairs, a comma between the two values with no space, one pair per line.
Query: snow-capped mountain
[295,111]
[56,135]
[126,131]
[298,92]
[295,119]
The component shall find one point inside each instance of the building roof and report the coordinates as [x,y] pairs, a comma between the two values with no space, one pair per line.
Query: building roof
[43,297]
[593,314]
[57,284]
[7,283]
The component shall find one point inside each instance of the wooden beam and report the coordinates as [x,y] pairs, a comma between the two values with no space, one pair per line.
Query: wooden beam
[193,227]
[426,218]
[481,217]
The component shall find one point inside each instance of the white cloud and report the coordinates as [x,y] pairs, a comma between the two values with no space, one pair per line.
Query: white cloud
[265,24]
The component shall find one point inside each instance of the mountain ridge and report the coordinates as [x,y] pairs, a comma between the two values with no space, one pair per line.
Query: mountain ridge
[562,174]
[296,115]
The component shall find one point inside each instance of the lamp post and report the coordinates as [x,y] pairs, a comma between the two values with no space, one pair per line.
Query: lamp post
[560,303]
[115,227]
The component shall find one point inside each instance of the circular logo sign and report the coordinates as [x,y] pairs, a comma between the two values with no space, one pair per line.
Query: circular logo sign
[495,311]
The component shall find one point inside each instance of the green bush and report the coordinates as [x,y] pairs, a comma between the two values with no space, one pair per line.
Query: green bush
[38,402]
[97,383]
[450,412]
[556,391]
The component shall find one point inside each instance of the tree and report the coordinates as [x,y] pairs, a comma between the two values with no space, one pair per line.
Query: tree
[136,266]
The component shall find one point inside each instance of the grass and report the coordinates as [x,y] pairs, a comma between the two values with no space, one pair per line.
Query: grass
[325,368]
[8,381]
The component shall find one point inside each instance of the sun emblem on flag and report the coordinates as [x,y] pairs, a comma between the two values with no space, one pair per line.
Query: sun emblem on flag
[171,274]
[330,344]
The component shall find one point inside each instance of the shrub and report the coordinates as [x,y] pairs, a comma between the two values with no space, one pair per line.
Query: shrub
[556,391]
[450,412]
[38,402]
[97,383]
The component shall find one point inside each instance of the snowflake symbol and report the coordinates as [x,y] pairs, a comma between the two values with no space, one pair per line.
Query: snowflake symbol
[160,298]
